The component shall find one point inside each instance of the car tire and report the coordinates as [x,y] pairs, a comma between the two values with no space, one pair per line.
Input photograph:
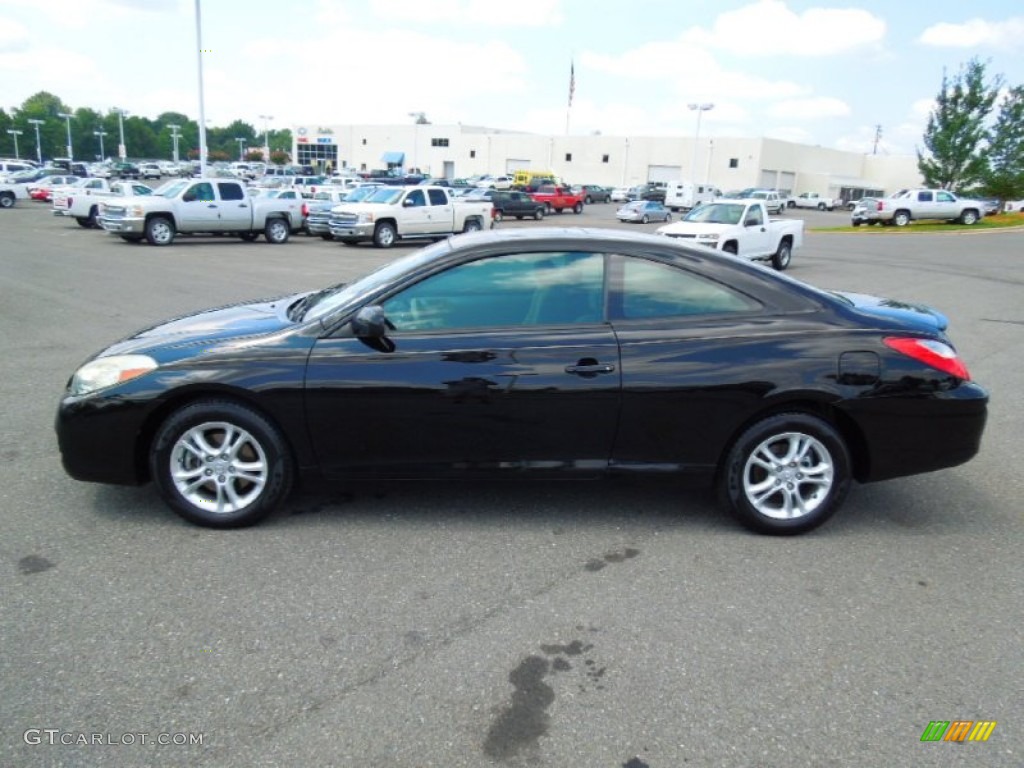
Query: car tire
[277,231]
[472,225]
[160,231]
[821,206]
[645,219]
[220,464]
[498,215]
[855,223]
[969,217]
[384,235]
[548,209]
[326,237]
[578,208]
[783,255]
[668,217]
[6,199]
[901,218]
[538,214]
[730,248]
[248,237]
[83,222]
[588,200]
[786,474]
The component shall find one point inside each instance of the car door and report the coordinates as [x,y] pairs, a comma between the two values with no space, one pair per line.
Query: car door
[689,362]
[495,364]
[415,213]
[926,206]
[198,210]
[440,210]
[234,207]
[756,239]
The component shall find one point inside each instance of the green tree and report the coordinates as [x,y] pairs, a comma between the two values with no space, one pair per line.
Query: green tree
[278,158]
[1005,178]
[956,129]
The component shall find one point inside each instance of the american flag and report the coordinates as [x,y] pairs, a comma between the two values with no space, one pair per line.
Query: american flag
[572,81]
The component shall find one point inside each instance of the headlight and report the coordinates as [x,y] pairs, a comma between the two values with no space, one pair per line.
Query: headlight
[365,218]
[136,211]
[107,371]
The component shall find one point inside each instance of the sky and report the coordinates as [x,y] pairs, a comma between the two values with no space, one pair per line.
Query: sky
[810,71]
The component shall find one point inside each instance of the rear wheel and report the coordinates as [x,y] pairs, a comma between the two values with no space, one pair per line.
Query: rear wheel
[326,236]
[220,464]
[901,218]
[472,225]
[6,199]
[277,231]
[786,474]
[588,200]
[498,215]
[248,236]
[782,257]
[578,208]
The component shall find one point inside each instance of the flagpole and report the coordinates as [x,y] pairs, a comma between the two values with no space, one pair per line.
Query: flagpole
[572,90]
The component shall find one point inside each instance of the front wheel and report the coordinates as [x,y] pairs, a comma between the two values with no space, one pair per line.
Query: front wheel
[220,464]
[588,200]
[786,474]
[6,199]
[384,235]
[968,217]
[538,214]
[782,256]
[645,219]
[159,231]
[578,208]
[83,222]
[248,237]
[277,231]
[498,215]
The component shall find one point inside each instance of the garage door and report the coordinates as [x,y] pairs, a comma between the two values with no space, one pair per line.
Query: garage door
[664,173]
[511,166]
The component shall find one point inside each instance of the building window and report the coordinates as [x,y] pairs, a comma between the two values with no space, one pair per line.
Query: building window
[734,162]
[604,158]
[364,142]
[568,157]
[439,142]
[472,153]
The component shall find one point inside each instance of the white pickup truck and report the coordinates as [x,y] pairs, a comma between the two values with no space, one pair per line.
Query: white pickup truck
[11,192]
[740,227]
[82,201]
[407,213]
[812,200]
[200,206]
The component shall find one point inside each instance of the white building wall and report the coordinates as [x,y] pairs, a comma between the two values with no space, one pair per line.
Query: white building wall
[724,162]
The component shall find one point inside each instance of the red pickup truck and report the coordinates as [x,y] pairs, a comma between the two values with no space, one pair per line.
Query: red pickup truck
[557,199]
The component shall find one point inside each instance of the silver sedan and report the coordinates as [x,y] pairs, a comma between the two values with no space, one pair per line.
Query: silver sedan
[643,211]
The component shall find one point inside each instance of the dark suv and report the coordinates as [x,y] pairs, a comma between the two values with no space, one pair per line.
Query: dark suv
[513,203]
[653,192]
[125,171]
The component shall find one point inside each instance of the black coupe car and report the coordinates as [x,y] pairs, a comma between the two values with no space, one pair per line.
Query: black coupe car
[576,351]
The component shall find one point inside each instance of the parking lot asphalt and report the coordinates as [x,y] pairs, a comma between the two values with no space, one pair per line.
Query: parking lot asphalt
[594,624]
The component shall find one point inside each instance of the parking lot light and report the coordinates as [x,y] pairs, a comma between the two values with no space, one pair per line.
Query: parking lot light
[15,134]
[39,146]
[101,134]
[67,118]
[122,151]
[699,109]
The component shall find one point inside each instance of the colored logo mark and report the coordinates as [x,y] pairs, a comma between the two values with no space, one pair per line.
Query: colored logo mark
[958,730]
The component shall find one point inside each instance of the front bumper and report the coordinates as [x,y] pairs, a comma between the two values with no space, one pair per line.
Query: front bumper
[123,226]
[361,231]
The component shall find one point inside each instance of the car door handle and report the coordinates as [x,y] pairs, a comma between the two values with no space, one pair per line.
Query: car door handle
[211,206]
[242,205]
[589,368]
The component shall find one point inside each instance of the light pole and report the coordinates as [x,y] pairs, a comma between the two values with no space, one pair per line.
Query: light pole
[699,109]
[101,134]
[421,119]
[266,137]
[67,117]
[174,138]
[122,151]
[15,134]
[241,148]
[39,146]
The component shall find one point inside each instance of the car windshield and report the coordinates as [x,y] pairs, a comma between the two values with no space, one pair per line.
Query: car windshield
[716,213]
[332,301]
[171,189]
[359,194]
[385,195]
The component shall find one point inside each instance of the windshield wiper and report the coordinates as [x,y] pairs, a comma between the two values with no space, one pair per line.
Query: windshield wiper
[297,311]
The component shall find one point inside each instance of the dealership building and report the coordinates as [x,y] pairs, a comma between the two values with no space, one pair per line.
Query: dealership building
[458,151]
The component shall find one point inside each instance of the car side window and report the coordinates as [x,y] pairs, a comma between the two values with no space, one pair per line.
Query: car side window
[416,199]
[230,191]
[924,197]
[515,289]
[754,217]
[437,197]
[651,289]
[945,197]
[202,192]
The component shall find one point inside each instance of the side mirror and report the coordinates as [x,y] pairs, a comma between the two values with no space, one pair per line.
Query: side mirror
[407,203]
[371,323]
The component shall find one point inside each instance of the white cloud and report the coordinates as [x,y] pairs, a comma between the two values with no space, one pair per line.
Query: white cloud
[85,13]
[14,37]
[769,27]
[521,13]
[810,109]
[976,33]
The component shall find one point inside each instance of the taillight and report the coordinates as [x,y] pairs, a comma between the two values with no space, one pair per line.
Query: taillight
[71,200]
[933,353]
[305,209]
[879,206]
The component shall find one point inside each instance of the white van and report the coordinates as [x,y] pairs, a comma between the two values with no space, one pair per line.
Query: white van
[684,195]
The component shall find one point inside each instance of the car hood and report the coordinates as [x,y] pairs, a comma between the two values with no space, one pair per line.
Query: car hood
[914,316]
[694,228]
[210,326]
